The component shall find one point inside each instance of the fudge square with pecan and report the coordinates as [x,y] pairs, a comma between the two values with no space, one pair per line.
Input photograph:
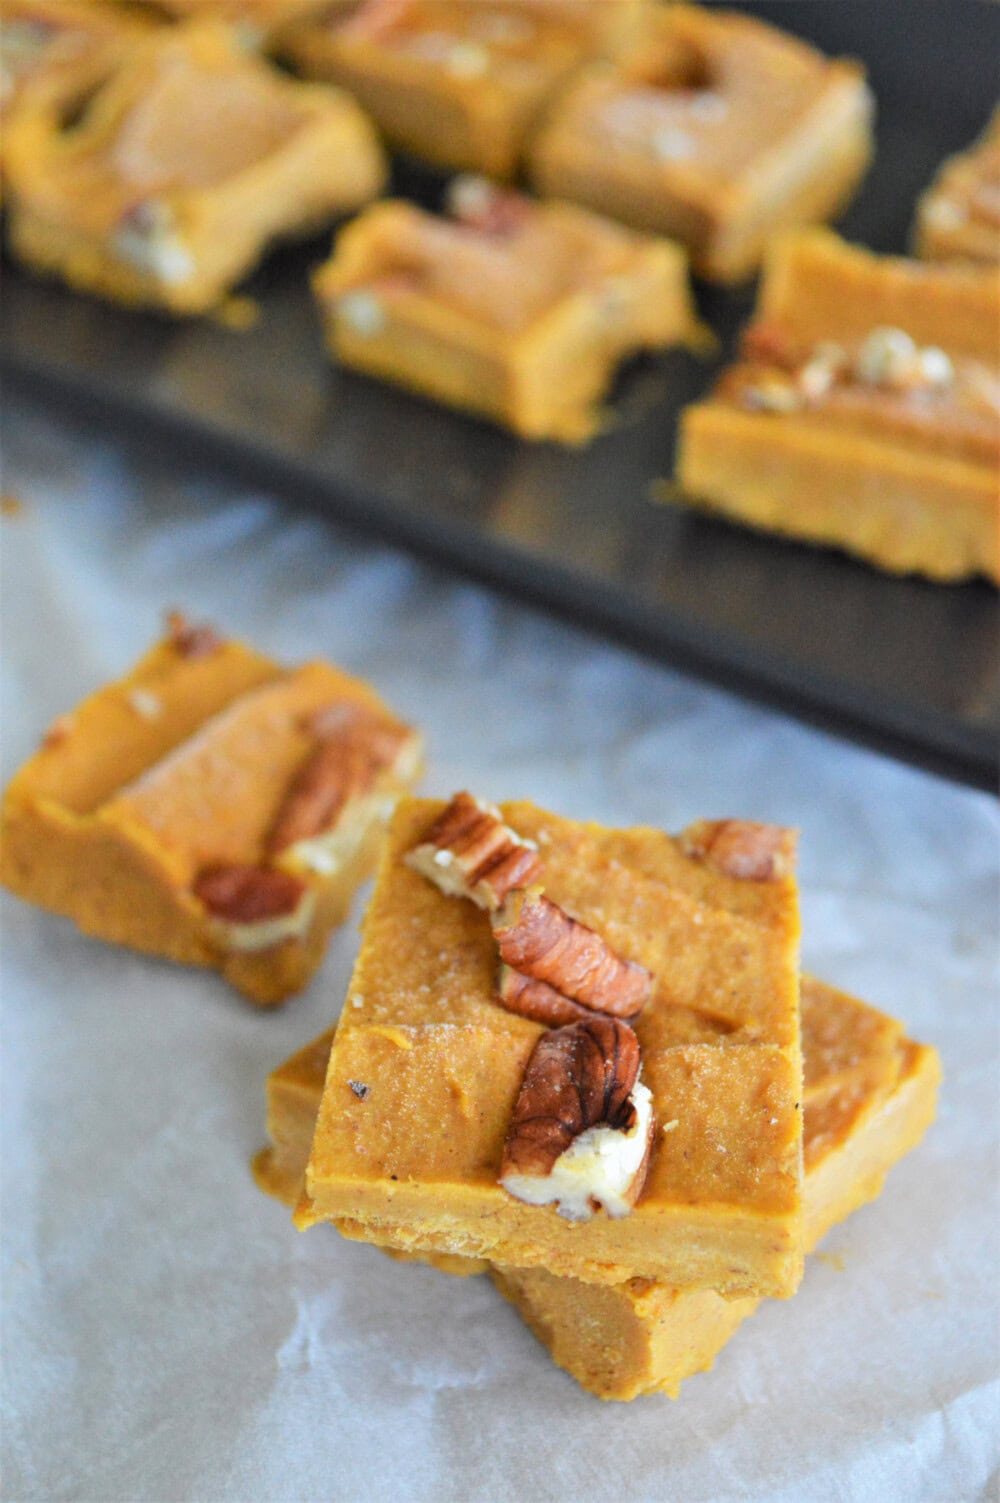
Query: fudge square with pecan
[423,1102]
[869,1096]
[210,807]
[862,412]
[514,310]
[183,168]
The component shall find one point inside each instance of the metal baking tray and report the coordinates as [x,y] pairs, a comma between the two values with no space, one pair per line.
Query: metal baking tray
[905,665]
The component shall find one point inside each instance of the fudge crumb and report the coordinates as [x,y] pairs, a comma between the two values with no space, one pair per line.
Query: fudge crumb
[11,505]
[359,1088]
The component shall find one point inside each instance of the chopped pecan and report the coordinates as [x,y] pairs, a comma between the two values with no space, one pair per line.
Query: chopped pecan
[480,205]
[537,1000]
[189,640]
[470,853]
[582,1126]
[254,907]
[248,894]
[740,848]
[768,344]
[537,937]
[354,746]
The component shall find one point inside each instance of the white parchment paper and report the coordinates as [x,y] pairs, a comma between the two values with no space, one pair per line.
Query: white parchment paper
[167,1334]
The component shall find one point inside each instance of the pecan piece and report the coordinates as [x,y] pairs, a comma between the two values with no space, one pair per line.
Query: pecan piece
[480,205]
[582,1127]
[537,1000]
[254,907]
[470,853]
[740,848]
[537,937]
[354,747]
[191,641]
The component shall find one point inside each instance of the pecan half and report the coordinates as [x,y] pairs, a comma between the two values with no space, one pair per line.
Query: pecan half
[582,1126]
[354,746]
[470,853]
[191,641]
[248,894]
[537,1000]
[254,907]
[537,937]
[740,848]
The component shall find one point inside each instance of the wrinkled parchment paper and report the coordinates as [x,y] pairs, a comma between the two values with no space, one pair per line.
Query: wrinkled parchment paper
[169,1336]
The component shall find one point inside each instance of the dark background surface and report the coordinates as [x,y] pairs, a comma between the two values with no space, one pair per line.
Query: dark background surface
[905,665]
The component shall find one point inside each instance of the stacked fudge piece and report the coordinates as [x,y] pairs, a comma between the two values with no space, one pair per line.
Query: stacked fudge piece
[573,1056]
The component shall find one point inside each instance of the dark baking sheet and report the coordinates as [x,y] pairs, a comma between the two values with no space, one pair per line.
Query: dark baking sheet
[905,665]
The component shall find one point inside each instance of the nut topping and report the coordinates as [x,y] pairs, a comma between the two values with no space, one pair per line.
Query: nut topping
[740,848]
[248,894]
[535,936]
[582,1126]
[537,1000]
[191,641]
[354,747]
[481,205]
[470,853]
[254,907]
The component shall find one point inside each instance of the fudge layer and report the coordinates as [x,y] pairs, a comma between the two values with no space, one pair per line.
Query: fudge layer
[716,130]
[456,82]
[869,1095]
[958,218]
[187,163]
[864,412]
[426,1067]
[521,313]
[152,814]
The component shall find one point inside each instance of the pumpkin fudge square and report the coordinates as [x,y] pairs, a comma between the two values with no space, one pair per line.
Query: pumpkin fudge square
[863,412]
[667,1092]
[869,1095]
[514,310]
[185,166]
[211,807]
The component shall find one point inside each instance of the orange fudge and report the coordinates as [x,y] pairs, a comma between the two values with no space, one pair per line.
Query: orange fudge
[189,161]
[715,129]
[864,412]
[869,1096]
[517,311]
[426,1066]
[210,807]
[958,218]
[457,82]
